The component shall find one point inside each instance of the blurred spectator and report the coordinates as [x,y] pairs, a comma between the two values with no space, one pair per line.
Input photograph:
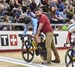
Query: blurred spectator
[52,4]
[18,2]
[2,12]
[61,6]
[70,11]
[44,5]
[30,13]
[15,3]
[37,2]
[17,12]
[6,20]
[24,6]
[73,19]
[70,2]
[27,2]
[63,14]
[74,10]
[32,5]
[7,1]
[55,15]
[73,3]
[6,5]
[58,11]
[12,5]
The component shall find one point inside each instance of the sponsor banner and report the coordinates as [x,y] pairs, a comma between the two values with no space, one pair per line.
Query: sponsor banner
[4,40]
[10,40]
[13,40]
[60,38]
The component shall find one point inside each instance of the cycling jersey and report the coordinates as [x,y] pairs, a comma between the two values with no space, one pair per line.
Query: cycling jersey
[34,23]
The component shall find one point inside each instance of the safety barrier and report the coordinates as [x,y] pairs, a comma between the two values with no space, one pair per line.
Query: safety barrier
[30,26]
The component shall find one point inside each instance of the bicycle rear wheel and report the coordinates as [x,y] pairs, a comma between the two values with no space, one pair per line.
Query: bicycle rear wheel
[43,52]
[27,51]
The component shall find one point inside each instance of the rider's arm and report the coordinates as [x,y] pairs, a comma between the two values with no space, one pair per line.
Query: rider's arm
[25,29]
[35,24]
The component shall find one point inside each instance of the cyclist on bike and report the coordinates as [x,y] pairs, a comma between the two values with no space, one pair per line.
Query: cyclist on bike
[30,18]
[34,24]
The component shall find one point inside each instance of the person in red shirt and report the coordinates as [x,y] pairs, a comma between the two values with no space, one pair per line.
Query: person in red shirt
[45,27]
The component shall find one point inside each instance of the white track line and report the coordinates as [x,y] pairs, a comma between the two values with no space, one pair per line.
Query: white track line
[11,60]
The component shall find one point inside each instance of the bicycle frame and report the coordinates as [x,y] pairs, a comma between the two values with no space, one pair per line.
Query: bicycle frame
[34,45]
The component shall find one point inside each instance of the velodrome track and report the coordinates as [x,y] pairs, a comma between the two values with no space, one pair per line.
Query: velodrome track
[14,59]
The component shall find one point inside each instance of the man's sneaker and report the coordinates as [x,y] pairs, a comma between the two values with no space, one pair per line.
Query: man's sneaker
[55,61]
[46,62]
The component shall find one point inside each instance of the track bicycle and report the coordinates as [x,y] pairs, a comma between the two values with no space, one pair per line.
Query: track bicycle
[29,48]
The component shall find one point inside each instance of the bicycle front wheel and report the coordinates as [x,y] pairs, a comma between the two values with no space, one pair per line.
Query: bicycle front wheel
[27,51]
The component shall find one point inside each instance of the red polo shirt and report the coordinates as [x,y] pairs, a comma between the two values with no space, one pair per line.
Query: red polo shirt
[47,25]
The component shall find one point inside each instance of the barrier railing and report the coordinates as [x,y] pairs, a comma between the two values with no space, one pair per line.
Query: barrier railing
[30,26]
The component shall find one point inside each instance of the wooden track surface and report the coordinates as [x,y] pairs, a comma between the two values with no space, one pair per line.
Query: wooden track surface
[36,60]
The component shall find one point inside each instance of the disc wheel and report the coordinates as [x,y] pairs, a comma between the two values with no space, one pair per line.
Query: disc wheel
[27,51]
[43,51]
[69,58]
[43,54]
